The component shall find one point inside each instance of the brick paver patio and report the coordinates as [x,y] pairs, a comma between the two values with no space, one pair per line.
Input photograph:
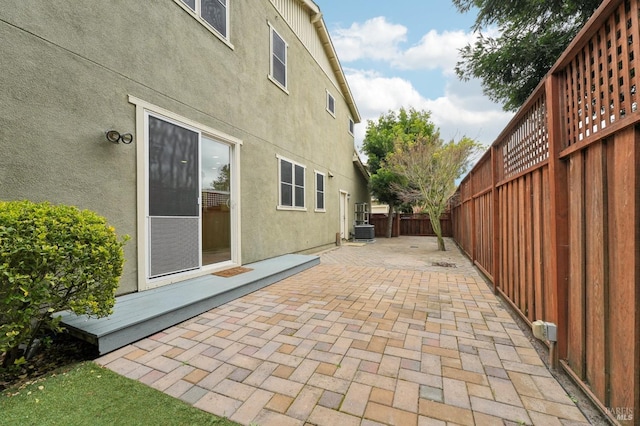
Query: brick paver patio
[374,335]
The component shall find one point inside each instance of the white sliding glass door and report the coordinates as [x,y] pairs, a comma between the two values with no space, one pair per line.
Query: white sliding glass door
[189,219]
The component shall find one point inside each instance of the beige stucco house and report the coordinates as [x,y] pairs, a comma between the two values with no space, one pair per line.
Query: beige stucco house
[215,133]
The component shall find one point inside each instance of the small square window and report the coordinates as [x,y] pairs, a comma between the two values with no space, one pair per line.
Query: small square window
[331,104]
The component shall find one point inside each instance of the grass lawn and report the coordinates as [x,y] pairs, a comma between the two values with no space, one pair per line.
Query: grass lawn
[87,394]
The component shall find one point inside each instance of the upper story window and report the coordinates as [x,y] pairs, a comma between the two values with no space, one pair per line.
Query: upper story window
[214,12]
[351,125]
[331,104]
[278,71]
[320,191]
[291,184]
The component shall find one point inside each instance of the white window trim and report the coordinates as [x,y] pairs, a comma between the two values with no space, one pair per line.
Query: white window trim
[286,60]
[324,191]
[304,198]
[226,40]
[330,96]
[143,109]
[351,126]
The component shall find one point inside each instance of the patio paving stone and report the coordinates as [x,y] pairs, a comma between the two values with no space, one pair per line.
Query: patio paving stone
[374,335]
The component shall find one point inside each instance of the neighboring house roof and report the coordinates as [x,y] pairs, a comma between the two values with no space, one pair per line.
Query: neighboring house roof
[323,34]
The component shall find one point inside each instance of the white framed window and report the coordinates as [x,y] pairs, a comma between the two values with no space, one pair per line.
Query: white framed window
[320,183]
[351,126]
[214,14]
[278,68]
[291,178]
[331,104]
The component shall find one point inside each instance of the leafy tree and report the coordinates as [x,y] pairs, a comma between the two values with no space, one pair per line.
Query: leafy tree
[430,168]
[380,139]
[223,181]
[532,35]
[52,258]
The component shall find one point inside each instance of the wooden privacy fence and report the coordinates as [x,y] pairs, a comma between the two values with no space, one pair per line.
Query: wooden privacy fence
[409,225]
[551,213]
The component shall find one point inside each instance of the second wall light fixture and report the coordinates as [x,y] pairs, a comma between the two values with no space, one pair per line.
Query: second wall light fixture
[115,137]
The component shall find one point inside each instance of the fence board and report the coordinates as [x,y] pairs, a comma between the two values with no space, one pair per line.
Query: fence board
[623,291]
[538,269]
[528,236]
[487,222]
[483,248]
[509,240]
[550,313]
[466,214]
[596,267]
[504,252]
[520,246]
[576,297]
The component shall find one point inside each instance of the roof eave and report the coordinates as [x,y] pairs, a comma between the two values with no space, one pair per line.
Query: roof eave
[337,68]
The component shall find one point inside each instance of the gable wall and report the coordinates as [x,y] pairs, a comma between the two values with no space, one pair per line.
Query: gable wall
[298,18]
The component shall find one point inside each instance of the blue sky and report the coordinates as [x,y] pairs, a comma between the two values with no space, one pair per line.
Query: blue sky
[402,53]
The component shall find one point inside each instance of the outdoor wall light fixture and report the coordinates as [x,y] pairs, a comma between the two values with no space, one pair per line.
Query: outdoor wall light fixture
[115,137]
[330,175]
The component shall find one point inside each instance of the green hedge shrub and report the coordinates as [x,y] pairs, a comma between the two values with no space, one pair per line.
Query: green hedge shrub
[52,258]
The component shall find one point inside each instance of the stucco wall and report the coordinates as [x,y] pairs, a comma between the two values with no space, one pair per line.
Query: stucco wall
[67,72]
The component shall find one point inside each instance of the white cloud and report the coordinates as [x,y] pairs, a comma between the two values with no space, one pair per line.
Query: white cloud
[461,111]
[376,94]
[464,111]
[435,50]
[375,39]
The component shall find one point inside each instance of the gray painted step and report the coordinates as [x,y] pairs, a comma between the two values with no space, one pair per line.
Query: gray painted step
[142,314]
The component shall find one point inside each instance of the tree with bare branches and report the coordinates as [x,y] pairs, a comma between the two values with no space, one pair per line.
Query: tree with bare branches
[429,168]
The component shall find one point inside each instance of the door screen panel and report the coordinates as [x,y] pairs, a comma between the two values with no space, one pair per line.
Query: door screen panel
[174,191]
[174,245]
[173,170]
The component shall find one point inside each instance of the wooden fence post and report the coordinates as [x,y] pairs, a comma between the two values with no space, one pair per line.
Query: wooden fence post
[472,208]
[559,214]
[495,220]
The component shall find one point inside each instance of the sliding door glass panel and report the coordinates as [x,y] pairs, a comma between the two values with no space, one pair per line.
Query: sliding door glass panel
[215,172]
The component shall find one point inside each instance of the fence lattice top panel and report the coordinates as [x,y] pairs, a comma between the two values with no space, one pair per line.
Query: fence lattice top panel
[466,190]
[527,145]
[482,177]
[600,81]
